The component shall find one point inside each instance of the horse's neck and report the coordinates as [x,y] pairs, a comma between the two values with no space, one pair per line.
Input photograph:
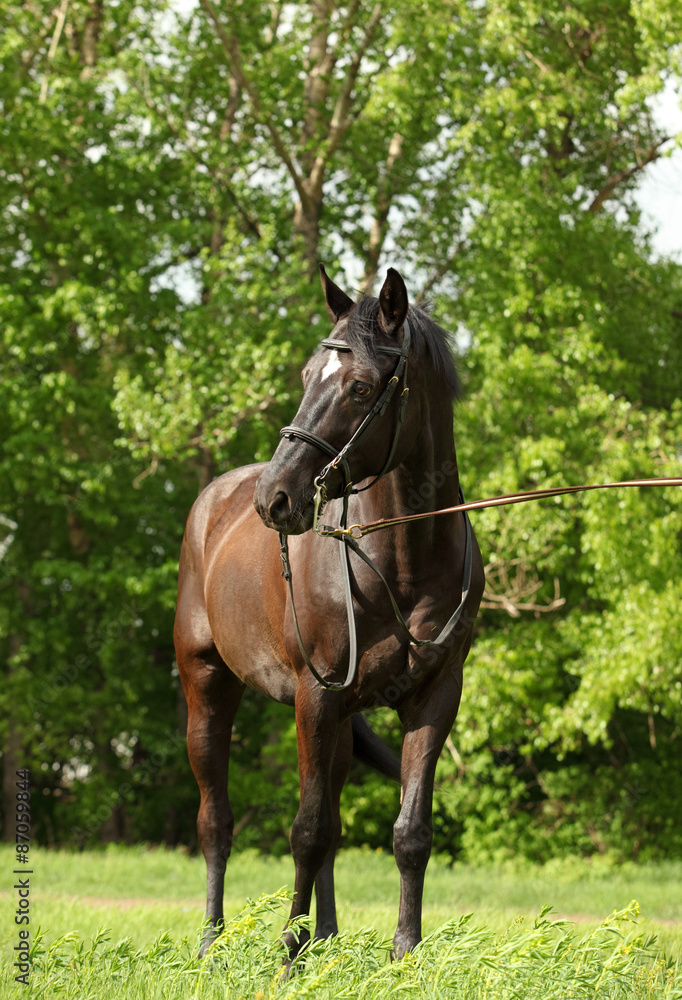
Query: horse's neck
[427,480]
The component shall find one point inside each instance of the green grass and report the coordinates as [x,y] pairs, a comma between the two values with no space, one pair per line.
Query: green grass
[151,903]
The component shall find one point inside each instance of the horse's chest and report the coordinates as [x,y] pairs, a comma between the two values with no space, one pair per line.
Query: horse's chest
[389,667]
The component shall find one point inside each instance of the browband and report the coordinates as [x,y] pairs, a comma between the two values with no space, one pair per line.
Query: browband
[342,345]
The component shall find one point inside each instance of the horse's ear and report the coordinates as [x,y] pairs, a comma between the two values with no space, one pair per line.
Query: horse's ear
[338,303]
[393,303]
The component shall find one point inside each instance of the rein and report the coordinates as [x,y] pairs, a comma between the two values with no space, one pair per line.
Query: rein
[357,531]
[348,537]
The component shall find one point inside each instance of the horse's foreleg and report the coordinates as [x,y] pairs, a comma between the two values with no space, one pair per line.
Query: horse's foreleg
[312,833]
[326,925]
[426,724]
[213,695]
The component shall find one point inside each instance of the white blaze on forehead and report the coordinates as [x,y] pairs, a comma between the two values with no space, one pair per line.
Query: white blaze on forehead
[332,366]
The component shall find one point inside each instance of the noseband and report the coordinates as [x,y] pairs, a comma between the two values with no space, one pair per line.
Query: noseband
[345,536]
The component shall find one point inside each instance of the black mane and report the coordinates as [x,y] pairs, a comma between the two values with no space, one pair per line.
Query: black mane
[427,339]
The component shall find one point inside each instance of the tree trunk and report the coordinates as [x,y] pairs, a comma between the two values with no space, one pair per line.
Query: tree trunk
[307,225]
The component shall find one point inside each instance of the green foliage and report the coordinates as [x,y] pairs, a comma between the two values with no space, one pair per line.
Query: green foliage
[170,181]
[138,890]
[547,959]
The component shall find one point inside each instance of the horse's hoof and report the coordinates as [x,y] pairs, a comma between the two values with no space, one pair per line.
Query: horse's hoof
[294,945]
[210,936]
[401,948]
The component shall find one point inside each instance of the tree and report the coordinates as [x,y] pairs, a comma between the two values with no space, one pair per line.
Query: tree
[88,572]
[171,182]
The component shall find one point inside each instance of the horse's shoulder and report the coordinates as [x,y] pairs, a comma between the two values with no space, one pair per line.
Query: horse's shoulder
[223,486]
[233,486]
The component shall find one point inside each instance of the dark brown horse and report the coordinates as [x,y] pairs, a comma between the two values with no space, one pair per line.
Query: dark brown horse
[235,624]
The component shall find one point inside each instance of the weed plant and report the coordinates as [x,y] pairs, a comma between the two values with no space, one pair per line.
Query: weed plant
[548,960]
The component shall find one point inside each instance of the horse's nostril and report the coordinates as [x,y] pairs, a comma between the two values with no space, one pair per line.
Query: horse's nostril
[280,508]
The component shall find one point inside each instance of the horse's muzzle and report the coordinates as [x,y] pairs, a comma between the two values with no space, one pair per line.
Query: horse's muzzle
[279,511]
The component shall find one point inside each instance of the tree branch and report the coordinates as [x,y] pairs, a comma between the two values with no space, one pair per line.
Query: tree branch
[251,224]
[440,271]
[61,18]
[154,270]
[322,61]
[516,595]
[379,225]
[339,121]
[454,753]
[320,64]
[232,50]
[91,38]
[231,110]
[623,175]
[543,67]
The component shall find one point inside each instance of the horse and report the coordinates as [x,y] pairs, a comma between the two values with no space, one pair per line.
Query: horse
[265,602]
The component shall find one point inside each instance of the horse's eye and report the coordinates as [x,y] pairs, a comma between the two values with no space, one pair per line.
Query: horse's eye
[361,389]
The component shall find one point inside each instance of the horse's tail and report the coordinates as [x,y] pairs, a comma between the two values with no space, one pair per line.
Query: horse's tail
[371,750]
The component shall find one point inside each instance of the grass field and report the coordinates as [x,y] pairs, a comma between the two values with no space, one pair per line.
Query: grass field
[150,903]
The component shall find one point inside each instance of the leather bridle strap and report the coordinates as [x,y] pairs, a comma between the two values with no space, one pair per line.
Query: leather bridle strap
[348,594]
[444,633]
[292,432]
[347,542]
[350,537]
[379,407]
[357,531]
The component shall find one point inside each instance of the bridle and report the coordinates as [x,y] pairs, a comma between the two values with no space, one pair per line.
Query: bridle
[340,458]
[339,461]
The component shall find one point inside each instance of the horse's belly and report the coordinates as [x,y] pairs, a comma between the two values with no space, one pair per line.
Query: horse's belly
[245,602]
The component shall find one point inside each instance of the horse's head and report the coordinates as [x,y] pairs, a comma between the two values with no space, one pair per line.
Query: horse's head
[353,386]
